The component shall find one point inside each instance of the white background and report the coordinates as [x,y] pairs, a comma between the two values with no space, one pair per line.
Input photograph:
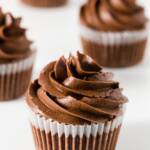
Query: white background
[55,31]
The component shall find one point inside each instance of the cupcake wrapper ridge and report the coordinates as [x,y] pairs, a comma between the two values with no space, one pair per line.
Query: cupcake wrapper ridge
[49,134]
[15,77]
[119,49]
[113,38]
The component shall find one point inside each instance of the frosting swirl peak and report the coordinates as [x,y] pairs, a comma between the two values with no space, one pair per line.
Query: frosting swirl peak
[76,91]
[113,15]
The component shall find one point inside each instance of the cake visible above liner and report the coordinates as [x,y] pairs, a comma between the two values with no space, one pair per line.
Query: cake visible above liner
[14,44]
[113,15]
[76,91]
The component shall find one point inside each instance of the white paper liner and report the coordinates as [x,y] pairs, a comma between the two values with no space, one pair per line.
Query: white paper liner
[113,38]
[18,66]
[55,127]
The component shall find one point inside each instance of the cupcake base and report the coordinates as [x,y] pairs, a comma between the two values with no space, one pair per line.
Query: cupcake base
[47,141]
[44,3]
[52,135]
[15,77]
[122,55]
[15,85]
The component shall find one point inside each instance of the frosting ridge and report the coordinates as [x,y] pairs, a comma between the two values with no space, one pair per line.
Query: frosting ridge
[13,40]
[76,91]
[113,15]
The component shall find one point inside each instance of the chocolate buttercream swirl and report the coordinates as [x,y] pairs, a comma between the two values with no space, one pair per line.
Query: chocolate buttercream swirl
[76,91]
[13,41]
[113,15]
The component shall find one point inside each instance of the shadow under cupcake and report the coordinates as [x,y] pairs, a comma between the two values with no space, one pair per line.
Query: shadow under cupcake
[114,32]
[16,58]
[74,105]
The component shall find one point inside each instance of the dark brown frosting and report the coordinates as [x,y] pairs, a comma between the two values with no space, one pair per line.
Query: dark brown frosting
[13,40]
[76,91]
[113,15]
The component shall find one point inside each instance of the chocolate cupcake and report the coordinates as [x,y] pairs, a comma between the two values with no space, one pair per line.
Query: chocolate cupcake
[16,58]
[44,3]
[75,105]
[114,32]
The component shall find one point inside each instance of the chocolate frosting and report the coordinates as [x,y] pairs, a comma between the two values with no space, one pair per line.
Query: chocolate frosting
[113,15]
[76,91]
[13,41]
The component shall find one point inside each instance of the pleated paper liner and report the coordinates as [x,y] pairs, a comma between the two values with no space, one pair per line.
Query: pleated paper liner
[44,3]
[118,49]
[15,78]
[51,135]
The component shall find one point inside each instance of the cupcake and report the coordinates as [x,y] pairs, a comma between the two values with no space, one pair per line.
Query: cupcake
[75,105]
[16,58]
[44,3]
[114,32]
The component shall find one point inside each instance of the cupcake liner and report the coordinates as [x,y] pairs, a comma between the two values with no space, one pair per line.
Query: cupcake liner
[44,3]
[114,49]
[115,56]
[15,78]
[113,38]
[52,135]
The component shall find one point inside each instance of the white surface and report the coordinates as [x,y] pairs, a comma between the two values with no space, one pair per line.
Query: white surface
[56,32]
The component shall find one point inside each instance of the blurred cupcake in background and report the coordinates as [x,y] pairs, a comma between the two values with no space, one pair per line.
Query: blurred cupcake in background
[16,58]
[114,32]
[75,105]
[45,3]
